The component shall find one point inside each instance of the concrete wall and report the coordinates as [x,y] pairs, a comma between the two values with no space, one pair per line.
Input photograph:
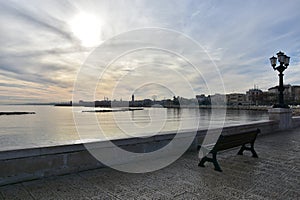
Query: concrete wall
[296,121]
[27,164]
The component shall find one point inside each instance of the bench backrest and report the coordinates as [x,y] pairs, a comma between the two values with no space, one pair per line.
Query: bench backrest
[229,141]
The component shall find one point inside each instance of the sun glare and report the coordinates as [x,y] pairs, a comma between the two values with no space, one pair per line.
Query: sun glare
[87,28]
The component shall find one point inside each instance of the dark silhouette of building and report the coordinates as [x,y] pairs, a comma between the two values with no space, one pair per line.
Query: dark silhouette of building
[254,96]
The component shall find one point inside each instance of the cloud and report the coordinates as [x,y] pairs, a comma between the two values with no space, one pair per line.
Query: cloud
[42,21]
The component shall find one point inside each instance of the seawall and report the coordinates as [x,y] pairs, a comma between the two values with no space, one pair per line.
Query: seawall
[34,163]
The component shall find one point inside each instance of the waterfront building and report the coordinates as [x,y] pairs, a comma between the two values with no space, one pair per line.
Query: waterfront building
[235,99]
[203,100]
[218,99]
[291,93]
[254,96]
[296,93]
[147,102]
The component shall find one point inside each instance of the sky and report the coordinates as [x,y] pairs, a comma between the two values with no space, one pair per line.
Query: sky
[51,50]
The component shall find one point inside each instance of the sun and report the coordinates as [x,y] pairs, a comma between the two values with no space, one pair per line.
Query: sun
[87,28]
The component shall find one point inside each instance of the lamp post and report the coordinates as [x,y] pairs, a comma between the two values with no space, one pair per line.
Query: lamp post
[284,62]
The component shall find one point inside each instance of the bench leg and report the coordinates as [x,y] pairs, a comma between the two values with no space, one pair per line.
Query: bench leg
[202,161]
[243,148]
[254,154]
[215,162]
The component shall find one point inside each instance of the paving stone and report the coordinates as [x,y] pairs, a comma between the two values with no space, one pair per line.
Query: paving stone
[39,190]
[111,187]
[101,197]
[220,197]
[1,196]
[15,192]
[292,194]
[157,196]
[187,195]
[63,189]
[249,196]
[128,195]
[87,189]
[229,192]
[266,194]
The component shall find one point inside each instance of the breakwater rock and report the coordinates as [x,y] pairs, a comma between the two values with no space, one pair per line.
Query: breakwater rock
[114,110]
[16,113]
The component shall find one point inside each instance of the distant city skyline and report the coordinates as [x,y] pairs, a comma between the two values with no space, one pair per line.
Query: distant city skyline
[43,46]
[272,90]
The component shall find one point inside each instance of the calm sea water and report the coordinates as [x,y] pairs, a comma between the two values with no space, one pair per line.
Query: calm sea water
[55,125]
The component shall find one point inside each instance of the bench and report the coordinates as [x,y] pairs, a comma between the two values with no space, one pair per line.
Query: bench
[225,142]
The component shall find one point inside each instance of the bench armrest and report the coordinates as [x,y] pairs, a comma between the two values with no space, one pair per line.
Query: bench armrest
[207,147]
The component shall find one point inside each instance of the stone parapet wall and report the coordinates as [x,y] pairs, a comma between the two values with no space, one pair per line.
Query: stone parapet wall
[296,121]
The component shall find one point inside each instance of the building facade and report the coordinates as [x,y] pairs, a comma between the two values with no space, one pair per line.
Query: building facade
[254,96]
[235,99]
[291,93]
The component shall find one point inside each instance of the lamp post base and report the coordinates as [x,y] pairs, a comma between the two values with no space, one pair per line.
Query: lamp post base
[283,116]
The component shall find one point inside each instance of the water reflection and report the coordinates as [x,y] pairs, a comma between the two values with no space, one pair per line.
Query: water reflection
[53,125]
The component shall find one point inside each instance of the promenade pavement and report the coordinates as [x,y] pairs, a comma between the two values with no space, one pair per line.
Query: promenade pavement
[274,175]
